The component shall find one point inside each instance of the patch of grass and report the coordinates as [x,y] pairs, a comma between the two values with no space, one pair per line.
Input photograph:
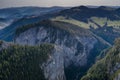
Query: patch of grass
[103,21]
[72,21]
[99,21]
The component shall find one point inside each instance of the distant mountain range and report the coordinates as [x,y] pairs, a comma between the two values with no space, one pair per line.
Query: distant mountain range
[90,6]
[9,15]
[11,18]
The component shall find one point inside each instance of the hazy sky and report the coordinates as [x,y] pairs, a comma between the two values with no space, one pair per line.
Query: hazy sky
[43,3]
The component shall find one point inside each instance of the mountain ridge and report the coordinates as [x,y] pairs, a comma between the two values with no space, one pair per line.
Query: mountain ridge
[77,43]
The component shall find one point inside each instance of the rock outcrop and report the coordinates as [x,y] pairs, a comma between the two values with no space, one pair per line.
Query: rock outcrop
[54,67]
[5,45]
[76,45]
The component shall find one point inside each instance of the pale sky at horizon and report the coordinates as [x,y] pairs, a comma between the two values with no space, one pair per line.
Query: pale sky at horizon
[48,3]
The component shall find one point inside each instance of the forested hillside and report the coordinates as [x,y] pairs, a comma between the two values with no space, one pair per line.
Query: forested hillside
[108,68]
[23,62]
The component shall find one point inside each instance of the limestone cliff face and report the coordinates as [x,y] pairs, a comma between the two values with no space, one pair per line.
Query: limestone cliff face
[54,67]
[118,77]
[75,45]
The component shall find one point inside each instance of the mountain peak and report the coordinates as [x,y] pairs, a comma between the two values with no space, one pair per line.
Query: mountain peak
[106,8]
[80,7]
[83,7]
[102,7]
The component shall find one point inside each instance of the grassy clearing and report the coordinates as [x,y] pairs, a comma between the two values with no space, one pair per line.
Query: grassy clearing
[72,21]
[103,21]
[97,20]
